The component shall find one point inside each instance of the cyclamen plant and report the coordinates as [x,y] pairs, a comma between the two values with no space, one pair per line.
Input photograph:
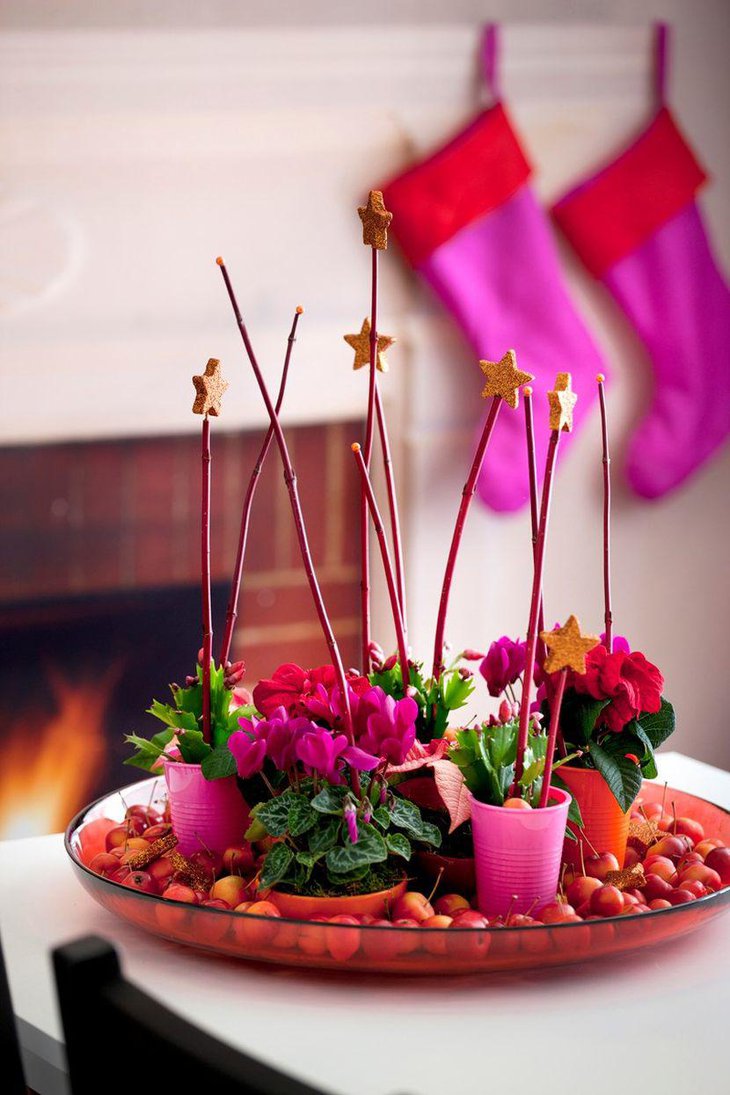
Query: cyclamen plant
[336,824]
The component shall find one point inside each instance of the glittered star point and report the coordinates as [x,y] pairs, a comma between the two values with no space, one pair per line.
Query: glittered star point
[361,345]
[209,389]
[567,647]
[504,379]
[375,220]
[562,401]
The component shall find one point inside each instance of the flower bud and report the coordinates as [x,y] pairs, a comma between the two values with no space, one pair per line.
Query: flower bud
[470,655]
[390,663]
[505,711]
[465,673]
[351,821]
[190,681]
[234,674]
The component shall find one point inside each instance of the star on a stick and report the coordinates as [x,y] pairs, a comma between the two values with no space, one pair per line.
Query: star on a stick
[209,389]
[504,379]
[567,647]
[562,401]
[361,345]
[375,220]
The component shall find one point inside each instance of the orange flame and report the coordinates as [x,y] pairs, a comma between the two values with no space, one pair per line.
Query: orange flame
[49,763]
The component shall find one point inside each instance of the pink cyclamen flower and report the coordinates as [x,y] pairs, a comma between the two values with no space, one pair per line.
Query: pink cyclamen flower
[325,753]
[249,752]
[504,662]
[350,814]
[385,726]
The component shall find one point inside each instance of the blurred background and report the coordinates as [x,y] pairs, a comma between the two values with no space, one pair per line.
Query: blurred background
[140,141]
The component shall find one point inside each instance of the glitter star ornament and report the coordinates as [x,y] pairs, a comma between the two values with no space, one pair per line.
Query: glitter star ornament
[209,389]
[504,379]
[562,401]
[361,345]
[375,220]
[567,647]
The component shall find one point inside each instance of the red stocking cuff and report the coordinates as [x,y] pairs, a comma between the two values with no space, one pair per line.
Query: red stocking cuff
[476,172]
[613,213]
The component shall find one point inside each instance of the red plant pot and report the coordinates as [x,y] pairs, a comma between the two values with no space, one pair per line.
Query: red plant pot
[605,824]
[299,907]
[458,872]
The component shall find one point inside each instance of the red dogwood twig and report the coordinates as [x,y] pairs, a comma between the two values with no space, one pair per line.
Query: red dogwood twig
[205,573]
[608,615]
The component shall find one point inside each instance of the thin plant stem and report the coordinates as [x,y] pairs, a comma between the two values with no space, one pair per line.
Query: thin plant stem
[466,500]
[392,505]
[535,601]
[232,610]
[364,516]
[291,484]
[205,574]
[387,566]
[608,615]
[552,736]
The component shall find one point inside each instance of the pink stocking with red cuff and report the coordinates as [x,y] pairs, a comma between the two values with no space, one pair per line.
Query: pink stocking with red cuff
[468,222]
[637,228]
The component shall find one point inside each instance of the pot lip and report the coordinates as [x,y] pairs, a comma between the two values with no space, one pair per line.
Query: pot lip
[341,897]
[168,762]
[564,796]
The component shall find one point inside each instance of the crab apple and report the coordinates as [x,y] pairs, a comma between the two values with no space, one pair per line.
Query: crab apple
[580,890]
[652,809]
[215,903]
[140,880]
[381,944]
[660,903]
[555,912]
[117,837]
[211,929]
[436,943]
[687,826]
[631,858]
[656,887]
[608,901]
[256,930]
[312,939]
[121,874]
[230,888]
[660,866]
[472,945]
[516,804]
[342,942]
[409,940]
[104,863]
[208,861]
[535,942]
[238,859]
[629,900]
[161,870]
[176,891]
[695,887]
[673,847]
[598,866]
[145,814]
[244,906]
[450,904]
[719,860]
[680,897]
[412,906]
[687,861]
[287,936]
[700,872]
[156,832]
[706,846]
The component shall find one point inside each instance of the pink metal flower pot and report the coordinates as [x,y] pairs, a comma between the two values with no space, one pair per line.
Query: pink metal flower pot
[517,854]
[204,813]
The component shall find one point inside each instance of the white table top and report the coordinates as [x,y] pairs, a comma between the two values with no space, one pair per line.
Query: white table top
[656,1022]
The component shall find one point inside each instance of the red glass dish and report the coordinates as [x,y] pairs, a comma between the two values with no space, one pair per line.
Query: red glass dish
[391,949]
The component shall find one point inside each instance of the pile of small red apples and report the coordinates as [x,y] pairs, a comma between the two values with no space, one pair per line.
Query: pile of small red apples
[681,866]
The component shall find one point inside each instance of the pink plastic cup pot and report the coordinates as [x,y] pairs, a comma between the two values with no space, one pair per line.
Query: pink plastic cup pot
[205,813]
[517,854]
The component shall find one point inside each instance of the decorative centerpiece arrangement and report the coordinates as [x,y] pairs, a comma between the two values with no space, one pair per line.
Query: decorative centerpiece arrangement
[323,794]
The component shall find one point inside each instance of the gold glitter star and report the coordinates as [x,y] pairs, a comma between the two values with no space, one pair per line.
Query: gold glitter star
[504,379]
[361,345]
[209,389]
[375,220]
[568,648]
[562,400]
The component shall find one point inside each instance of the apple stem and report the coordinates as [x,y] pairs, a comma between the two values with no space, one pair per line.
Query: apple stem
[466,500]
[395,607]
[582,857]
[232,611]
[664,795]
[205,573]
[552,734]
[436,884]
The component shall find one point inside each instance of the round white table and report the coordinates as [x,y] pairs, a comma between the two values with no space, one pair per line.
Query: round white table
[653,1022]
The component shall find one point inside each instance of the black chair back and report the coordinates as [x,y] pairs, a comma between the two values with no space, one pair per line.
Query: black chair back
[151,1048]
[13,1080]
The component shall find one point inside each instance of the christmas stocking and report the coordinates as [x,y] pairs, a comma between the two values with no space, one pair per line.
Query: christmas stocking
[468,222]
[637,227]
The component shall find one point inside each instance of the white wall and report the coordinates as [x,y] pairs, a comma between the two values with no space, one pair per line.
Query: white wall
[131,157]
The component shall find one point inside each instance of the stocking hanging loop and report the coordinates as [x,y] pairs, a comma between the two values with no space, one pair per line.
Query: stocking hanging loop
[662,46]
[489,47]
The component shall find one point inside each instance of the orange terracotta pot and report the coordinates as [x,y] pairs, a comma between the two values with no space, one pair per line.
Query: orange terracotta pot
[299,907]
[605,824]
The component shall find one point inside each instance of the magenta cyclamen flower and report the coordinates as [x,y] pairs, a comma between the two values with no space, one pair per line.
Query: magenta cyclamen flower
[325,753]
[504,662]
[350,814]
[249,751]
[385,726]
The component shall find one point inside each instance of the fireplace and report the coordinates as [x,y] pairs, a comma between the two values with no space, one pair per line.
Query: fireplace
[100,597]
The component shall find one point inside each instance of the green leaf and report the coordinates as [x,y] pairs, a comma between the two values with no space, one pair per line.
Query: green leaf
[329,800]
[406,815]
[399,845]
[324,837]
[622,776]
[502,744]
[274,814]
[219,763]
[276,865]
[658,727]
[370,848]
[457,691]
[578,716]
[180,720]
[302,816]
[193,746]
[381,816]
[355,875]
[308,862]
[430,834]
[256,831]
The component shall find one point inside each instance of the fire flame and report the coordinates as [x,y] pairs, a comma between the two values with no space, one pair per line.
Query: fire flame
[49,763]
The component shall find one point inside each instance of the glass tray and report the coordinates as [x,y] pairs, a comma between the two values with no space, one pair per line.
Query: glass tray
[392,949]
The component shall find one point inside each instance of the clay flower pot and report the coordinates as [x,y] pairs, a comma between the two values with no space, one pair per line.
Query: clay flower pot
[517,854]
[605,823]
[366,904]
[204,813]
[457,872]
